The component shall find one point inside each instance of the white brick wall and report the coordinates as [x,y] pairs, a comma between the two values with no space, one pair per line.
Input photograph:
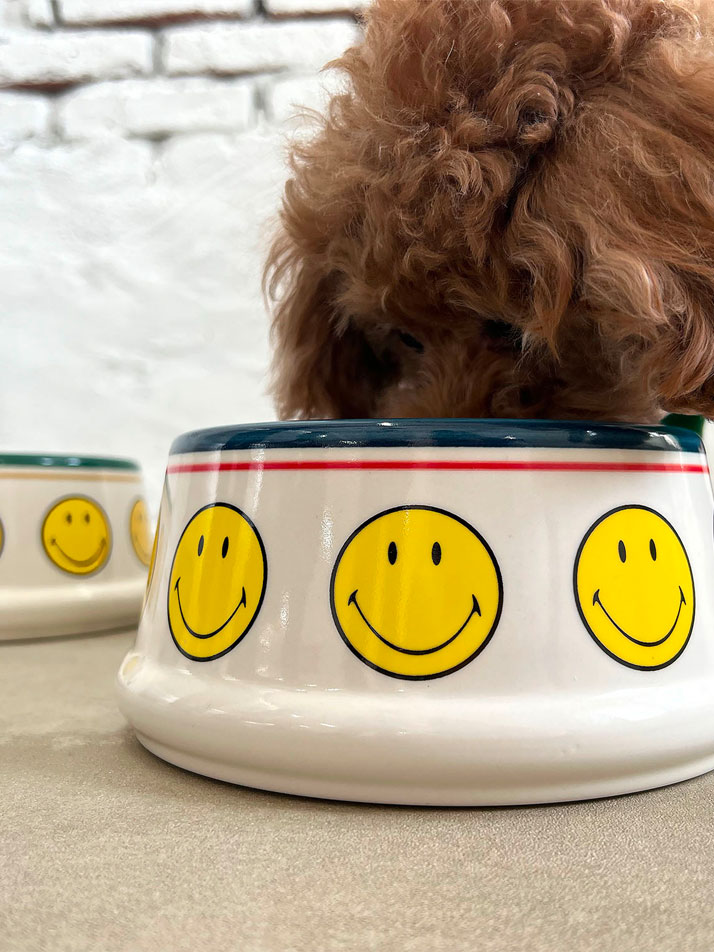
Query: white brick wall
[22,116]
[141,146]
[157,107]
[126,11]
[307,7]
[61,58]
[250,48]
[39,12]
[286,100]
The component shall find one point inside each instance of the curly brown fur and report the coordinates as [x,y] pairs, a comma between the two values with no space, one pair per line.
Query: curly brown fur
[509,212]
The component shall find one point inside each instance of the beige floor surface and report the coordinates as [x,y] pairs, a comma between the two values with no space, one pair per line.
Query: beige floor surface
[105,848]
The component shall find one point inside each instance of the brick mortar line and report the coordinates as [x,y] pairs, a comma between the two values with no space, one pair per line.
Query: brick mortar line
[312,16]
[57,91]
[54,132]
[155,23]
[159,141]
[56,14]
[225,74]
[53,138]
[157,55]
[160,24]
[259,103]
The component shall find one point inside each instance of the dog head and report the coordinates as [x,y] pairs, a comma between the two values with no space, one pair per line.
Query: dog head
[509,211]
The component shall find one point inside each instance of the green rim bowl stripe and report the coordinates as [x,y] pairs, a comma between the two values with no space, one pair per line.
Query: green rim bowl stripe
[503,434]
[67,462]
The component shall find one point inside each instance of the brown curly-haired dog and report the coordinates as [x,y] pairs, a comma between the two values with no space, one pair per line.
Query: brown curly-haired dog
[509,212]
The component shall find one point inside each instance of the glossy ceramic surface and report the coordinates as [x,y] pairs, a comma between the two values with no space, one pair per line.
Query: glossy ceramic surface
[74,544]
[431,612]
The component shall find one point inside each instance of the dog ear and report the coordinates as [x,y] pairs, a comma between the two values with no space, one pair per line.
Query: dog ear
[682,362]
[324,364]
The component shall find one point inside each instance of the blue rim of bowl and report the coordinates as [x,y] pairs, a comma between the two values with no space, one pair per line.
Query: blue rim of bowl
[51,461]
[503,434]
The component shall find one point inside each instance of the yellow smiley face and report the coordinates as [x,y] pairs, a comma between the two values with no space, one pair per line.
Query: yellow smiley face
[416,592]
[634,587]
[76,535]
[217,582]
[139,531]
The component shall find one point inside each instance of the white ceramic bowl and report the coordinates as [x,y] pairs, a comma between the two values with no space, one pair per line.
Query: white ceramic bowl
[431,612]
[74,545]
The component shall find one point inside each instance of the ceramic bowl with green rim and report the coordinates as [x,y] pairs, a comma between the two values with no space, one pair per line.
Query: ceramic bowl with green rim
[431,611]
[75,544]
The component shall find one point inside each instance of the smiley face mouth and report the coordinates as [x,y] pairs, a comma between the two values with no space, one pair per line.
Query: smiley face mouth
[81,563]
[215,631]
[644,644]
[475,610]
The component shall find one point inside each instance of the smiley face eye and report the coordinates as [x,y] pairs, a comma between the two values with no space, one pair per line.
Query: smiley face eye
[392,553]
[86,517]
[224,550]
[68,517]
[436,553]
[200,545]
[653,550]
[622,550]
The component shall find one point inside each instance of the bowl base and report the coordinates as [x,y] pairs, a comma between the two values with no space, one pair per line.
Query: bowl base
[468,751]
[358,791]
[56,612]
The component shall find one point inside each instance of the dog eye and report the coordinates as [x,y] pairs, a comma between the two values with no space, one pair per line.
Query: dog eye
[411,342]
[653,550]
[200,545]
[622,550]
[392,553]
[495,329]
[224,550]
[436,553]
